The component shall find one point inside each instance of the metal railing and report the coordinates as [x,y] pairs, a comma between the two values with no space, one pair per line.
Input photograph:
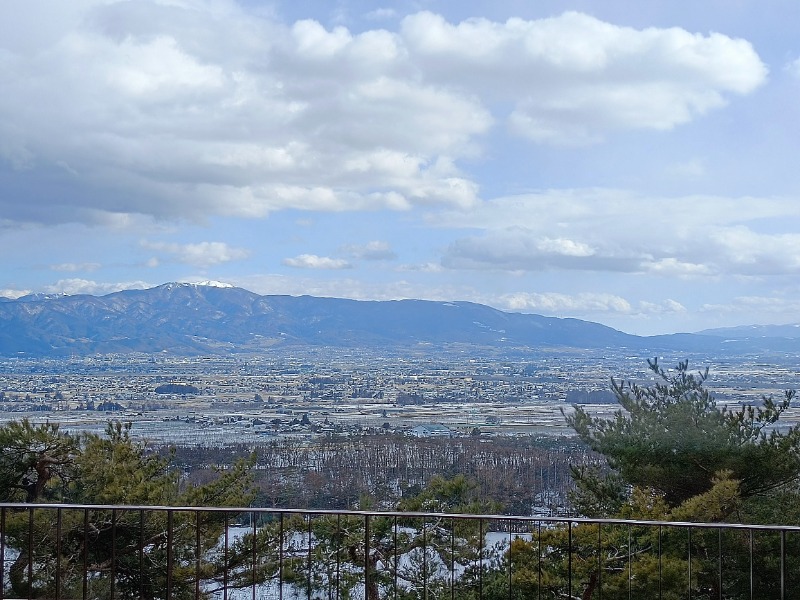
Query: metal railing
[153,552]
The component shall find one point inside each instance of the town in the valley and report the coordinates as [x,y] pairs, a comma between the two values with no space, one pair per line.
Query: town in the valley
[308,394]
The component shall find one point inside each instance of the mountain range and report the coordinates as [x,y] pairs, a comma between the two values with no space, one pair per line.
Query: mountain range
[198,319]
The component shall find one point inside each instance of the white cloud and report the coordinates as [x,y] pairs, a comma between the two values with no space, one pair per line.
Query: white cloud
[428,267]
[553,303]
[85,286]
[558,304]
[202,254]
[188,110]
[312,261]
[74,267]
[673,267]
[374,250]
[574,78]
[381,14]
[690,169]
[777,309]
[13,294]
[609,230]
[793,67]
[521,249]
[581,305]
[356,289]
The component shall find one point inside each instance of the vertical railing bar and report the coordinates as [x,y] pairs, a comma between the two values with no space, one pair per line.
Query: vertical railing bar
[689,539]
[480,559]
[254,532]
[599,562]
[339,556]
[630,563]
[396,558]
[660,564]
[424,561]
[539,559]
[30,553]
[113,551]
[452,557]
[308,557]
[58,553]
[394,534]
[2,551]
[85,584]
[783,564]
[752,587]
[280,561]
[170,553]
[197,553]
[367,575]
[226,545]
[569,560]
[141,553]
[510,567]
[719,562]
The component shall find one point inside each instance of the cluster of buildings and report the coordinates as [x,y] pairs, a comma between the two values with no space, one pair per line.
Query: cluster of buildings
[345,393]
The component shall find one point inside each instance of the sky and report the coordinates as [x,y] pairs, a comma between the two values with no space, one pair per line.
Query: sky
[629,163]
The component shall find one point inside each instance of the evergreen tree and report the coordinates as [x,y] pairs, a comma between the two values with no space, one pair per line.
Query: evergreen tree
[97,553]
[673,438]
[673,455]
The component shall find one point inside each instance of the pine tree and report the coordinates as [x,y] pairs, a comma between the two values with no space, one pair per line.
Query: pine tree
[673,438]
[88,552]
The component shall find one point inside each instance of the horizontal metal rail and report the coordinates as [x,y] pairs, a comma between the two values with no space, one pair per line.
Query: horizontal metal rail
[93,552]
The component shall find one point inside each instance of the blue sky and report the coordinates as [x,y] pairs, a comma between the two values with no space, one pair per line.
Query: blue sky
[633,164]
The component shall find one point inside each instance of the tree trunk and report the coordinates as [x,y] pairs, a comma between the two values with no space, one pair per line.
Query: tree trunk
[587,593]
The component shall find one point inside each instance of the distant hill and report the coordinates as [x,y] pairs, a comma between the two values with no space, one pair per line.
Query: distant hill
[193,319]
[790,331]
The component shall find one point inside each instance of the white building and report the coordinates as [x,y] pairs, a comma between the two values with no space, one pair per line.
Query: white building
[431,430]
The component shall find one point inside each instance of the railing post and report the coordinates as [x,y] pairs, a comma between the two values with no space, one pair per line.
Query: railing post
[30,553]
[85,583]
[396,562]
[630,563]
[367,582]
[253,524]
[2,551]
[424,561]
[197,552]
[719,574]
[452,559]
[510,569]
[689,543]
[308,559]
[480,559]
[58,554]
[339,557]
[141,553]
[225,559]
[539,558]
[783,564]
[599,562]
[113,551]
[170,556]
[280,560]
[752,584]
[660,564]
[569,560]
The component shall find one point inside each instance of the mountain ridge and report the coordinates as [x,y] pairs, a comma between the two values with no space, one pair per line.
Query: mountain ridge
[211,318]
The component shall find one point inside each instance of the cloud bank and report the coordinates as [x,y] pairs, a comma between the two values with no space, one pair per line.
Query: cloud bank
[201,108]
